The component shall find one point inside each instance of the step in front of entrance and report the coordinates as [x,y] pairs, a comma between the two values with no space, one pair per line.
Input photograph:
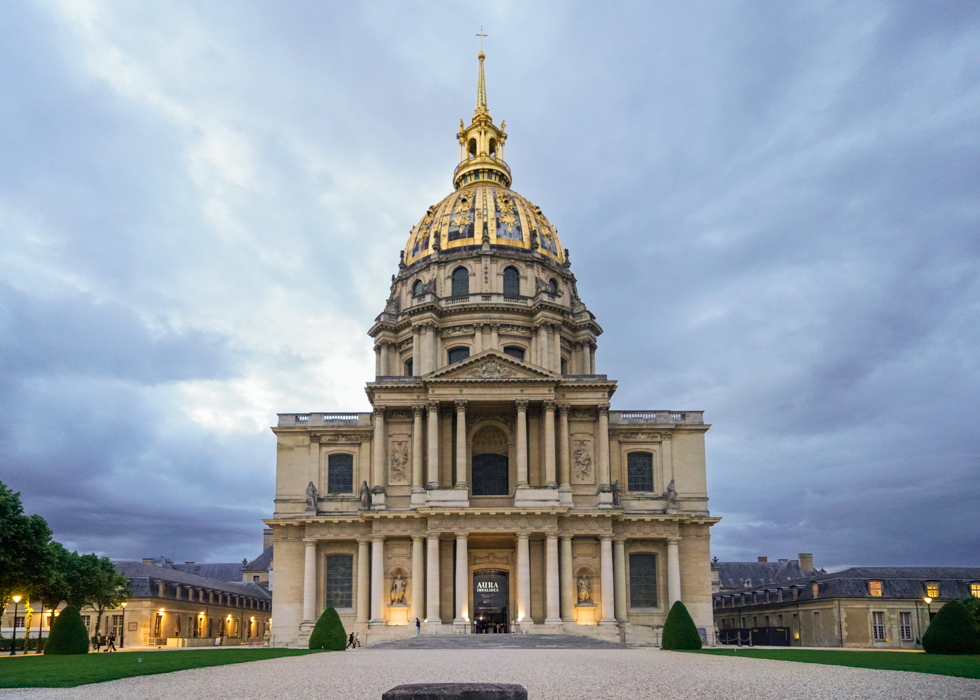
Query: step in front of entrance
[498,641]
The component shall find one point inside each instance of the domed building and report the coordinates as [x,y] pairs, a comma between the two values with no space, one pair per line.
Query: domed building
[492,489]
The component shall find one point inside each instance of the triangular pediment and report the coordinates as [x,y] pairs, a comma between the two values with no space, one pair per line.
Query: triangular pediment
[490,366]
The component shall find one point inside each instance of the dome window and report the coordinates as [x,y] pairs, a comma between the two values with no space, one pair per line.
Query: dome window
[458,355]
[514,351]
[552,286]
[512,282]
[418,289]
[471,148]
[461,282]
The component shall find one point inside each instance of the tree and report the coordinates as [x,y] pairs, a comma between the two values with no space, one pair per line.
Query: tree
[679,630]
[109,588]
[68,634]
[23,543]
[52,587]
[972,606]
[328,633]
[952,631]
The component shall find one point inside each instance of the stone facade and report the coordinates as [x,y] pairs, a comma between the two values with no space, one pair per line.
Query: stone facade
[491,447]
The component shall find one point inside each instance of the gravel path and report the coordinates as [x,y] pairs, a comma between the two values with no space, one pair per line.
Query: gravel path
[548,674]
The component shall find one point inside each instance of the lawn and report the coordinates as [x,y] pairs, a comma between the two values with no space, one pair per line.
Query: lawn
[961,666]
[32,671]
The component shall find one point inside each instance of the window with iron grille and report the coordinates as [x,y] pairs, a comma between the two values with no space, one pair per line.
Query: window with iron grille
[514,351]
[512,282]
[905,624]
[340,473]
[878,625]
[643,580]
[458,355]
[461,282]
[340,577]
[874,587]
[639,471]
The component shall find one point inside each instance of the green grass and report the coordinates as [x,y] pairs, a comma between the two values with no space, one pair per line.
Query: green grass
[961,666]
[39,671]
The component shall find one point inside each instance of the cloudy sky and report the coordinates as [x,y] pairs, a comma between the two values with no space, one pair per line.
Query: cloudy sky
[772,208]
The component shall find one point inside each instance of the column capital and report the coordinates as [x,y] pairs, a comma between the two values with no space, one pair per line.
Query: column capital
[548,405]
[432,534]
[563,409]
[377,349]
[523,535]
[620,539]
[603,409]
[462,535]
[433,406]
[605,538]
[665,436]
[418,410]
[460,405]
[418,538]
[673,540]
[417,329]
[383,343]
[565,537]
[494,327]
[310,541]
[521,405]
[379,411]
[555,326]
[377,537]
[364,540]
[315,437]
[477,327]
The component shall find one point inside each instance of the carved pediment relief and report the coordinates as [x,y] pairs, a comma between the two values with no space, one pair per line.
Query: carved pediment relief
[491,365]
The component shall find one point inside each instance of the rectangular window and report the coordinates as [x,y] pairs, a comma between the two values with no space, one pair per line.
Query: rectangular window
[767,621]
[816,625]
[975,590]
[87,621]
[19,621]
[340,580]
[878,626]
[874,587]
[639,471]
[905,623]
[779,620]
[932,589]
[340,473]
[643,580]
[116,627]
[157,624]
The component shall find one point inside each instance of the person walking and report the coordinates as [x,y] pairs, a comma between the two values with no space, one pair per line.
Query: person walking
[350,642]
[111,646]
[418,627]
[357,639]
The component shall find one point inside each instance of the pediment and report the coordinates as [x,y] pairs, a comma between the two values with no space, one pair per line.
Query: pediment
[492,366]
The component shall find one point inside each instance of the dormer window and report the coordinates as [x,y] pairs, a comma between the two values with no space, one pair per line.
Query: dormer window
[874,588]
[815,589]
[975,590]
[932,589]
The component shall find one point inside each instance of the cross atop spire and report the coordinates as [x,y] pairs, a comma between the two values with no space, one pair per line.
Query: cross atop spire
[481,35]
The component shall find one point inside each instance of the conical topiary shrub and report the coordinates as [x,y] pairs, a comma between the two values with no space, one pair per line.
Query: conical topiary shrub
[68,634]
[328,633]
[679,630]
[953,631]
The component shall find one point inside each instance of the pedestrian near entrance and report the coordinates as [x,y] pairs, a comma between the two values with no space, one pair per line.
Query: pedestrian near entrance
[111,646]
[350,642]
[418,627]
[357,639]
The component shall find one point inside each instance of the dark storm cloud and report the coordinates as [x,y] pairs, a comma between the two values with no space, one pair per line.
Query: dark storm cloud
[772,210]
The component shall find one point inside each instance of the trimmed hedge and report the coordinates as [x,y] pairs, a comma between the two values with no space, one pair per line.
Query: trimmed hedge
[68,634]
[679,630]
[31,643]
[952,631]
[329,633]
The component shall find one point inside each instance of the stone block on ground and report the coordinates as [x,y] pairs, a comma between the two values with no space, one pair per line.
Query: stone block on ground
[457,691]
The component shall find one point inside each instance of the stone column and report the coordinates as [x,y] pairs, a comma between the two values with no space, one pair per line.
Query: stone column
[377,360]
[673,571]
[554,342]
[315,459]
[417,412]
[429,352]
[551,581]
[477,338]
[416,351]
[418,577]
[603,446]
[543,351]
[363,581]
[378,448]
[592,347]
[564,464]
[495,336]
[432,580]
[462,576]
[309,583]
[461,444]
[567,585]
[619,571]
[606,579]
[385,366]
[549,445]
[377,579]
[521,443]
[523,578]
[432,424]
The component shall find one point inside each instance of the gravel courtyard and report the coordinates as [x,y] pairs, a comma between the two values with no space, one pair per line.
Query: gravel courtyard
[552,674]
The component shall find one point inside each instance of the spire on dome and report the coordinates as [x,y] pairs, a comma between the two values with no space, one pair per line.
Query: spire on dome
[481,144]
[481,89]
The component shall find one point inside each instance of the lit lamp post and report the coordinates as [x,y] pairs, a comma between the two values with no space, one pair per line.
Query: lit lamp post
[13,640]
[122,631]
[928,609]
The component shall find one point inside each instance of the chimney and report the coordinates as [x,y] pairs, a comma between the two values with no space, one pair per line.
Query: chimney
[763,559]
[266,538]
[806,562]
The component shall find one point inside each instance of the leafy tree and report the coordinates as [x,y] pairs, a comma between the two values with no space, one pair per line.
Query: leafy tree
[68,634]
[328,633]
[952,631]
[52,587]
[972,606]
[23,543]
[109,588]
[679,630]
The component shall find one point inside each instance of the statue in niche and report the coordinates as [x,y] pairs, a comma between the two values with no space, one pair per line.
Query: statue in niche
[584,586]
[365,496]
[671,497]
[311,498]
[617,494]
[398,585]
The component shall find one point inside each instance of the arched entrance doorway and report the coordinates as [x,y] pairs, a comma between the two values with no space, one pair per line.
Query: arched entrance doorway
[490,464]
[490,596]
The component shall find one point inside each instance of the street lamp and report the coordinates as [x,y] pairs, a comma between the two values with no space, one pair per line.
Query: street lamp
[122,632]
[928,609]
[13,640]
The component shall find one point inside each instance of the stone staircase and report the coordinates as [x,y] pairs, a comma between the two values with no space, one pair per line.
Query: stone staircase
[497,641]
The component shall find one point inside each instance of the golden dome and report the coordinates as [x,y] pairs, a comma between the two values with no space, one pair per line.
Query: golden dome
[483,213]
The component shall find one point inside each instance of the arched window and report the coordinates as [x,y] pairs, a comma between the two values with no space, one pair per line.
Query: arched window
[514,351]
[493,148]
[471,148]
[643,580]
[553,286]
[340,473]
[409,367]
[639,471]
[490,464]
[458,355]
[418,289]
[512,282]
[461,282]
[339,580]
[564,366]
